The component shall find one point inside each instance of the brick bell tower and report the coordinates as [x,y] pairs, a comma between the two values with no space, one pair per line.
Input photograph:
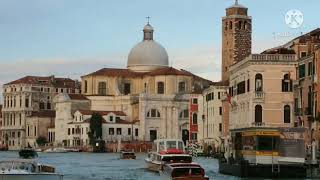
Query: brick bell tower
[236,37]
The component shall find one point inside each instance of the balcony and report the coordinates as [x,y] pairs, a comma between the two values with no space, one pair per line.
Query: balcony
[258,124]
[259,96]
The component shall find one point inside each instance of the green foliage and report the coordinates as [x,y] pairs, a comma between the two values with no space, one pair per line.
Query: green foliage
[41,141]
[95,132]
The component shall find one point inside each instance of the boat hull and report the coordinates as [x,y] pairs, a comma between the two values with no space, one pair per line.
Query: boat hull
[153,166]
[31,177]
[263,170]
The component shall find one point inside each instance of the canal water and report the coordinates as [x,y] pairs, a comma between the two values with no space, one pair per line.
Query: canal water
[108,166]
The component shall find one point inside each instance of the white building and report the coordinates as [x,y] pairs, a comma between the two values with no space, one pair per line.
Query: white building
[212,129]
[115,127]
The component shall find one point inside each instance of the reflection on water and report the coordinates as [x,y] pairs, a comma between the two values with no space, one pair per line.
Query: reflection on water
[107,166]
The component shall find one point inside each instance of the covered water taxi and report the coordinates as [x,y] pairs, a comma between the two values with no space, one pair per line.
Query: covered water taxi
[166,151]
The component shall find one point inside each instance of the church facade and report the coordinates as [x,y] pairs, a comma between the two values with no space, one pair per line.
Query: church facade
[148,91]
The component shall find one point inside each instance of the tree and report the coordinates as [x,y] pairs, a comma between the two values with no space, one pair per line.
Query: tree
[95,133]
[41,141]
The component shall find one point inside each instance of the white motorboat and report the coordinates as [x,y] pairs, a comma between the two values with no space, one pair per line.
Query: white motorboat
[26,169]
[56,150]
[183,171]
[166,151]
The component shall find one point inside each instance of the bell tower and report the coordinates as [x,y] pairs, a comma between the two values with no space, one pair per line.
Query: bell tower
[236,37]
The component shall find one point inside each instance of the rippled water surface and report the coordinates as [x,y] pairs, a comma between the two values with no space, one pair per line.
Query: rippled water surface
[108,166]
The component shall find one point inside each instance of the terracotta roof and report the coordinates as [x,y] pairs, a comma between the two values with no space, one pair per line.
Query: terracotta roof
[46,113]
[77,97]
[102,113]
[46,80]
[121,121]
[168,71]
[116,72]
[130,73]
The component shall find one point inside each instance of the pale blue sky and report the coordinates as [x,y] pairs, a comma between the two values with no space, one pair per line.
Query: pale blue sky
[75,37]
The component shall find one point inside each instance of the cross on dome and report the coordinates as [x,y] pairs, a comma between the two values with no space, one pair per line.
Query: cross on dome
[148,17]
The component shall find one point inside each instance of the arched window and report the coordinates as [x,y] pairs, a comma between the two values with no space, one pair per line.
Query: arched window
[226,26]
[258,114]
[102,88]
[245,25]
[286,114]
[194,118]
[153,113]
[184,114]
[286,83]
[259,82]
[160,87]
[182,87]
[230,25]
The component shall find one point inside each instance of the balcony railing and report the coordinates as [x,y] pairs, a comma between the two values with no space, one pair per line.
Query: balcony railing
[274,57]
[259,95]
[258,124]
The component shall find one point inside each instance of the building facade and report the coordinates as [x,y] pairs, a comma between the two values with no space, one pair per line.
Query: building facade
[26,96]
[261,90]
[148,90]
[212,132]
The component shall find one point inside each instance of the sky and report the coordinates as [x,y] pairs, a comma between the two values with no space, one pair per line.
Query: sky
[71,38]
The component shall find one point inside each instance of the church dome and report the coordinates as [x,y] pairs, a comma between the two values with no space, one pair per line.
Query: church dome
[147,55]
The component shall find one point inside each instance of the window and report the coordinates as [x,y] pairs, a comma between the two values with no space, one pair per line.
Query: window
[310,68]
[48,105]
[230,25]
[85,86]
[35,131]
[129,131]
[111,131]
[102,88]
[153,113]
[182,87]
[160,87]
[72,130]
[194,136]
[219,95]
[248,85]
[119,131]
[220,127]
[259,82]
[220,110]
[195,101]
[210,96]
[127,88]
[303,54]
[111,118]
[258,114]
[27,102]
[286,83]
[194,118]
[240,25]
[241,87]
[226,26]
[286,114]
[302,69]
[184,114]
[136,132]
[41,105]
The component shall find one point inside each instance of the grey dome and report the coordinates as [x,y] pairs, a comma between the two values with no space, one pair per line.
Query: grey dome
[148,54]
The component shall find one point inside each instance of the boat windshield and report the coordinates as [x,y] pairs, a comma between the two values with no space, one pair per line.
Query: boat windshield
[172,145]
[8,166]
[187,171]
[161,146]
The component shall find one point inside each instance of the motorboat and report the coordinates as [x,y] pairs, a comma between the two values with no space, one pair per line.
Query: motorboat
[26,169]
[127,155]
[28,153]
[183,171]
[56,150]
[166,151]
